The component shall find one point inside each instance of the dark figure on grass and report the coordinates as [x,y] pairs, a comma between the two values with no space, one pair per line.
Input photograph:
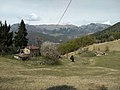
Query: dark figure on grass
[72,58]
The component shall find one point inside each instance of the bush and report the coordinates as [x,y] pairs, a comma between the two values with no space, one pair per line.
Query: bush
[8,51]
[75,44]
[88,54]
[49,52]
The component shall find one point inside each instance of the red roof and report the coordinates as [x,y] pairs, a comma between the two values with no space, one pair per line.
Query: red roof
[32,47]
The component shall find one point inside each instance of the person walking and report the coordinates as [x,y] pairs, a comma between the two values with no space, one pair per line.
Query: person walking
[72,58]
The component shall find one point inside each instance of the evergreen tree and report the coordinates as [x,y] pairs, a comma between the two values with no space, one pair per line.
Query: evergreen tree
[6,37]
[20,39]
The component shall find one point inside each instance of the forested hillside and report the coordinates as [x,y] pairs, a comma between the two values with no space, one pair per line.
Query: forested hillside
[108,34]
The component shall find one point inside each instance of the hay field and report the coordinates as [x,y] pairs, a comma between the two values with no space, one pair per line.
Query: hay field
[30,75]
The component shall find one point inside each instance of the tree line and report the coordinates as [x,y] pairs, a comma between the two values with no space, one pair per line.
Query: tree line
[10,40]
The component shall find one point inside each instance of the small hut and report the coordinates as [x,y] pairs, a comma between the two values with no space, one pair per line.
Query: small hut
[29,51]
[34,50]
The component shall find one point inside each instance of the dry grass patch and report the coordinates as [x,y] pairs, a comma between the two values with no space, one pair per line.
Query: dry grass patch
[19,75]
[112,46]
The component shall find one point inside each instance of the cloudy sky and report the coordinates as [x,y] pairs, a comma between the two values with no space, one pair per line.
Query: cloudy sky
[49,11]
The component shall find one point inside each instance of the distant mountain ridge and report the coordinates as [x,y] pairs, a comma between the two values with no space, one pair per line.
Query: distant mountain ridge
[53,26]
[62,32]
[94,27]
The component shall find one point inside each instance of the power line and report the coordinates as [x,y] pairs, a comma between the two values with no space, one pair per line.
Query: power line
[64,13]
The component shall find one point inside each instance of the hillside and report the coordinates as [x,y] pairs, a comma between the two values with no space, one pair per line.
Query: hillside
[62,33]
[53,26]
[34,36]
[112,46]
[110,33]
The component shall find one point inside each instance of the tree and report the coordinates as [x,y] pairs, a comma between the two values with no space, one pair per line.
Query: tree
[20,39]
[49,51]
[6,37]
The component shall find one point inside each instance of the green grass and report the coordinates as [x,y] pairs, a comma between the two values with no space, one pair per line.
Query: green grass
[110,61]
[31,75]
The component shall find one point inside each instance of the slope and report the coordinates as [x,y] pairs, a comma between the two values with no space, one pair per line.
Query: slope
[112,46]
[111,33]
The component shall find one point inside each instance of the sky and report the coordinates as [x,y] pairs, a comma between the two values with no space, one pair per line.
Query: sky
[80,12]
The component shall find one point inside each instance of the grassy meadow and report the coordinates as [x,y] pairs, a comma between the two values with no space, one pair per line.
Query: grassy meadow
[86,73]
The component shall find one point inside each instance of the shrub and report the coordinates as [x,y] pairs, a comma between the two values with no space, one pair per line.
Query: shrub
[8,51]
[88,54]
[75,44]
[49,52]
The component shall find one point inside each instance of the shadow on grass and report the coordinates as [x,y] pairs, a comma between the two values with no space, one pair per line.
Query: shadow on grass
[62,87]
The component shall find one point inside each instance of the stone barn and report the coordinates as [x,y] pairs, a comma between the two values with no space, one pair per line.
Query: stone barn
[29,51]
[34,50]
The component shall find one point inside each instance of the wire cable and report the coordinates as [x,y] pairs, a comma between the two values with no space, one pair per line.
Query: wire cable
[64,13]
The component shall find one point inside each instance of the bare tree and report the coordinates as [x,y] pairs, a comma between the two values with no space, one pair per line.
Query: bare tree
[49,51]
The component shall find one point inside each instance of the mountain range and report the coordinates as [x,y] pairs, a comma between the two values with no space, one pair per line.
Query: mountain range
[59,33]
